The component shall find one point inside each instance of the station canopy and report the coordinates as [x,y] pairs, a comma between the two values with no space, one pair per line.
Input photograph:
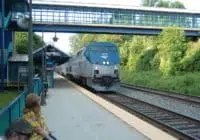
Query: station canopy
[52,53]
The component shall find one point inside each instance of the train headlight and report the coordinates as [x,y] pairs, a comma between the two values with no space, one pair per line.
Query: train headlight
[96,68]
[108,63]
[104,62]
[116,68]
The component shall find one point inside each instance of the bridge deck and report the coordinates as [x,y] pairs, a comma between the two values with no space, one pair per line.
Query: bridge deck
[123,19]
[71,115]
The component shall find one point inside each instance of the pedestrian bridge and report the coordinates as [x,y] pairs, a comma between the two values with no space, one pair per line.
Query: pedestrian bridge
[92,18]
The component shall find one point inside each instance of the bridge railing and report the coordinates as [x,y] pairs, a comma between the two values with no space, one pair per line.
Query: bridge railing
[15,109]
[104,16]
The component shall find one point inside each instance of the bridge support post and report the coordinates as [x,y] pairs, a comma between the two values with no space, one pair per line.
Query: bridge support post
[44,88]
[30,50]
[2,39]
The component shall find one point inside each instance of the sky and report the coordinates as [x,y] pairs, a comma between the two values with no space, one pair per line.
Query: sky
[63,42]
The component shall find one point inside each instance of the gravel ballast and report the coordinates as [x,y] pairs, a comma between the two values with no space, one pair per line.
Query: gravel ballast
[174,105]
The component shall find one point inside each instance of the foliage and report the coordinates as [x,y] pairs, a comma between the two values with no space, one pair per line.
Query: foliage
[163,3]
[135,49]
[187,83]
[124,53]
[177,4]
[21,40]
[149,3]
[6,97]
[145,60]
[191,61]
[172,47]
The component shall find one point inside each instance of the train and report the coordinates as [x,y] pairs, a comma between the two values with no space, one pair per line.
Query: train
[96,65]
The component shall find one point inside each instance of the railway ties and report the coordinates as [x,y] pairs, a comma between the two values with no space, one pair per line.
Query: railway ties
[187,99]
[176,124]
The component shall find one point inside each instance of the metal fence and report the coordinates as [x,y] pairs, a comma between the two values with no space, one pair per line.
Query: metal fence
[15,109]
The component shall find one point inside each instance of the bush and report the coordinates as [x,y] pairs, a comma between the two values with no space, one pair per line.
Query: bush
[145,60]
[172,47]
[191,61]
[187,83]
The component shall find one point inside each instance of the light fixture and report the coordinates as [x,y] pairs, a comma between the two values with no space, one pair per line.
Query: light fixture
[23,21]
[55,38]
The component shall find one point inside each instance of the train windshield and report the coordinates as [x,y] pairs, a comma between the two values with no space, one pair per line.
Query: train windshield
[103,55]
[103,49]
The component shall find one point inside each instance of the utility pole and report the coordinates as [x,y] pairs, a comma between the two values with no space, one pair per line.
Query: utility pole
[30,50]
[2,45]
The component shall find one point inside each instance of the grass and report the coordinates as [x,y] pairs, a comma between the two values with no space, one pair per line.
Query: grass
[186,83]
[6,97]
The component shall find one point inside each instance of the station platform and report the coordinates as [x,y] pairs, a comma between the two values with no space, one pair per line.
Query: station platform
[72,115]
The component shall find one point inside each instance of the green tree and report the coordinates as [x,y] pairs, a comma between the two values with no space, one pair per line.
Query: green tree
[191,61]
[177,4]
[21,42]
[149,3]
[172,47]
[162,3]
[79,41]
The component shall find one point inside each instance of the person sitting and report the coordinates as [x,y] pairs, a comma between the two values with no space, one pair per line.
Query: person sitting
[32,114]
[19,130]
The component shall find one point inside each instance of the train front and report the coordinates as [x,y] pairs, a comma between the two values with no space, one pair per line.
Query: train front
[105,66]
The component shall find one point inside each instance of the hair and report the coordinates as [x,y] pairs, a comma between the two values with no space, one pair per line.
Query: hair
[32,104]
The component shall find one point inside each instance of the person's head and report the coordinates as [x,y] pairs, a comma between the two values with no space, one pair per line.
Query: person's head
[32,103]
[19,130]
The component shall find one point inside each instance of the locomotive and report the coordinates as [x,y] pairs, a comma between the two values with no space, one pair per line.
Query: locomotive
[96,65]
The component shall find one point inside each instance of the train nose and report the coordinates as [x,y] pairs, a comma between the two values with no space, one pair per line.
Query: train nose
[106,80]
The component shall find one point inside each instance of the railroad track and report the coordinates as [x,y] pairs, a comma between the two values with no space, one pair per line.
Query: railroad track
[180,126]
[173,95]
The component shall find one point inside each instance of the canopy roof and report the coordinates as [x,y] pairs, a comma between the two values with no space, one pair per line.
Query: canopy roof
[53,53]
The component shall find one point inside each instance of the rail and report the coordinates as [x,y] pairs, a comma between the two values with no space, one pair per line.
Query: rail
[182,127]
[174,95]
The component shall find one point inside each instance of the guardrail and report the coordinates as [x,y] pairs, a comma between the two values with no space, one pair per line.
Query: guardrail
[15,109]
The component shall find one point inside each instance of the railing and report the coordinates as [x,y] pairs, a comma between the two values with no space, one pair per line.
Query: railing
[65,15]
[15,109]
[37,86]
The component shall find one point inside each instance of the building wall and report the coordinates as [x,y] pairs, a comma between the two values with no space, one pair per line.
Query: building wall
[13,68]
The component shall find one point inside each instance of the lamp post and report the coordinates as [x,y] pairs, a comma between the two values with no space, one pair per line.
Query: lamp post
[30,50]
[55,38]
